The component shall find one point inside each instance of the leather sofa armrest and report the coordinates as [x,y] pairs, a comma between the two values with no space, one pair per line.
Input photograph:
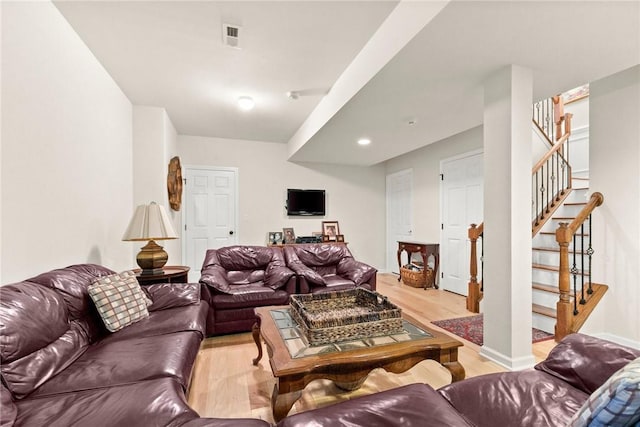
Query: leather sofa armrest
[169,295]
[277,276]
[356,271]
[215,276]
[586,362]
[307,272]
[414,405]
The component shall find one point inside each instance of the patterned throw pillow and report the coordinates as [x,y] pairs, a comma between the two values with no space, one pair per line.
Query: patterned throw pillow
[119,300]
[614,403]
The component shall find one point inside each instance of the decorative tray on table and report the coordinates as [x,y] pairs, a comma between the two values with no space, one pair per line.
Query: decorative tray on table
[345,315]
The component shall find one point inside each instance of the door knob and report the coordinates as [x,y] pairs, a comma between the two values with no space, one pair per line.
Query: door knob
[231,233]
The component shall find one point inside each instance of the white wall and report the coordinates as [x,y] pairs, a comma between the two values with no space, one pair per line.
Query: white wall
[354,195]
[66,149]
[154,144]
[579,139]
[614,171]
[425,163]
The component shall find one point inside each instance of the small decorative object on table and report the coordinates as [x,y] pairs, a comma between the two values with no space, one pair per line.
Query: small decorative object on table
[345,315]
[289,235]
[330,229]
[274,238]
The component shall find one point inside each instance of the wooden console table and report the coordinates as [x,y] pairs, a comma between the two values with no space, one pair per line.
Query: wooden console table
[426,250]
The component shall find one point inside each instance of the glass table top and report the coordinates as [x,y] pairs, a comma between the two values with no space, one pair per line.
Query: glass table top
[298,346]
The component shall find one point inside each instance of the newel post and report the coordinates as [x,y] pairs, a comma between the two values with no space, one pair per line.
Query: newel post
[473,295]
[564,311]
[558,114]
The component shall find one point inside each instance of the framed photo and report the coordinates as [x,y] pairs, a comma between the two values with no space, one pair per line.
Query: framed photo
[340,238]
[289,235]
[331,229]
[274,238]
[325,238]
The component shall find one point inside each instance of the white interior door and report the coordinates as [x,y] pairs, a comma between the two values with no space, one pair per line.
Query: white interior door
[399,214]
[462,204]
[210,220]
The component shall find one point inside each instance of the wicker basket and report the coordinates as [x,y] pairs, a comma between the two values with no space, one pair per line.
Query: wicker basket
[418,279]
[345,315]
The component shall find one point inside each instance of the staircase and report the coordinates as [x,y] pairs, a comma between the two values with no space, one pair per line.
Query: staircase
[546,257]
[563,293]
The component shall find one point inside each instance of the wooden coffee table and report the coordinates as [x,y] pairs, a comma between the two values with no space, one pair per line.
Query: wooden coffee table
[347,368]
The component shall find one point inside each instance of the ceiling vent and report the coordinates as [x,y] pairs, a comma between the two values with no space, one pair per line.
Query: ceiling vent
[231,35]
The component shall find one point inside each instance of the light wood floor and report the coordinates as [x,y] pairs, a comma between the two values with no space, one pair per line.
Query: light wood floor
[225,384]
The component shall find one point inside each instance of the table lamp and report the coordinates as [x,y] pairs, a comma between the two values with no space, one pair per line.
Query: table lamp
[150,222]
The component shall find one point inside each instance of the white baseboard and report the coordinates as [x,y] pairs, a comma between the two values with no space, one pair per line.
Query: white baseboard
[512,364]
[618,339]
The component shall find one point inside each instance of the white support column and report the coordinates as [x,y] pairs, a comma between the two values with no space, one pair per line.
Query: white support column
[507,218]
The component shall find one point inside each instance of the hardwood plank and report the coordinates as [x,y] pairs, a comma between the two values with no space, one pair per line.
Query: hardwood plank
[225,383]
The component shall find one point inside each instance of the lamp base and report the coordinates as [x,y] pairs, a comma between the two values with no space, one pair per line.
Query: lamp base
[152,258]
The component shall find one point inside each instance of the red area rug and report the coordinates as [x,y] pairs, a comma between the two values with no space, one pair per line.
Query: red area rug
[470,328]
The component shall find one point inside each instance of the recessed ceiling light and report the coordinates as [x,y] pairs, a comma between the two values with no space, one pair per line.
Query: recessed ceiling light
[246,103]
[364,141]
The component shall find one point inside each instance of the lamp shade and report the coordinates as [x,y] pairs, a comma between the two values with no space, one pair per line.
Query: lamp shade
[150,222]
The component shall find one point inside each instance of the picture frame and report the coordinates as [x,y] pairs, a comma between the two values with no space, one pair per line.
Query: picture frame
[331,229]
[289,235]
[340,238]
[325,238]
[274,238]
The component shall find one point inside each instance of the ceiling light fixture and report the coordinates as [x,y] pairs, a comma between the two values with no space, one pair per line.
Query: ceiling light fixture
[246,103]
[364,141]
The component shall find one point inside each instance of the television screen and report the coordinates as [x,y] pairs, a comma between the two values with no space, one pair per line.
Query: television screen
[305,202]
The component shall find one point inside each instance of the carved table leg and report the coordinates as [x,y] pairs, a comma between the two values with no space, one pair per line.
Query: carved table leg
[449,359]
[255,331]
[399,263]
[281,403]
[350,385]
[456,369]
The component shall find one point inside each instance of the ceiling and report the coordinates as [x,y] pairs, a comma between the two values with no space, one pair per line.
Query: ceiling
[170,54]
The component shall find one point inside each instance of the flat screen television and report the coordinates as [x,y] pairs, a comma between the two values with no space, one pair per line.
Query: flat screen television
[305,202]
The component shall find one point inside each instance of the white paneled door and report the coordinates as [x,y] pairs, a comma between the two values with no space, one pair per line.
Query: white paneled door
[210,214]
[462,204]
[399,214]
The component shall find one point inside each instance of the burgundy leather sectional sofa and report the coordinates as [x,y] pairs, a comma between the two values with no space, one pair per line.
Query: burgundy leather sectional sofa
[548,395]
[237,279]
[61,367]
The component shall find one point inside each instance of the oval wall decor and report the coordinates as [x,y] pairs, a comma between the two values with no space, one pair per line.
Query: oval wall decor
[174,183]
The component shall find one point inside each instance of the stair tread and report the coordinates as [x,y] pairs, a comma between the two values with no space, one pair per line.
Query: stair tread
[545,267]
[580,188]
[545,311]
[563,217]
[576,203]
[579,178]
[546,249]
[550,268]
[557,250]
[554,233]
[546,288]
